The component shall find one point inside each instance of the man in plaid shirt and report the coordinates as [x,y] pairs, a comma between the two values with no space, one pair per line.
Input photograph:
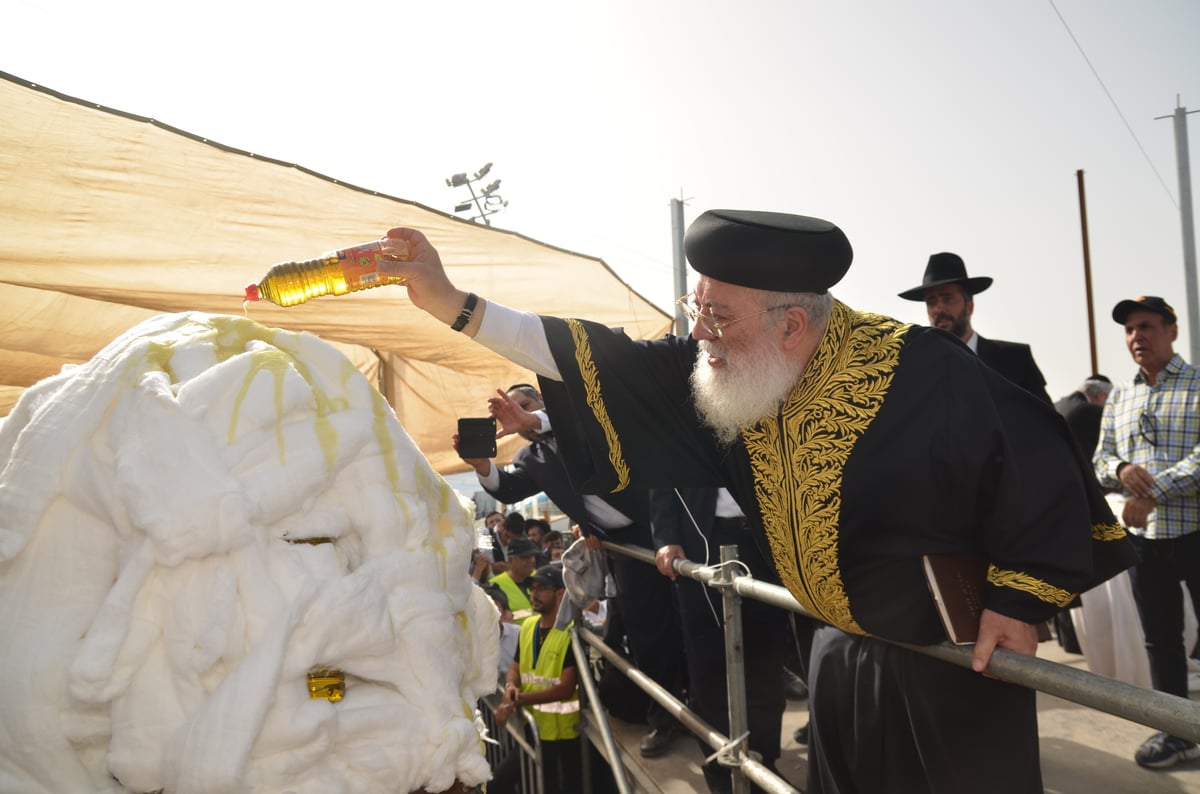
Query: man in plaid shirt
[1150,447]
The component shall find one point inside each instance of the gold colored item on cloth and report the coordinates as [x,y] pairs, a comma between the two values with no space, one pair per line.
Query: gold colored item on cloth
[326,684]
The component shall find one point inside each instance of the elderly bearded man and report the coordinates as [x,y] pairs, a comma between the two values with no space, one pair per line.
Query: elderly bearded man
[857,443]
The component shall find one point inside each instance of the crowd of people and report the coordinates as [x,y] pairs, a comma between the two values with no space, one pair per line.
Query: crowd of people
[836,448]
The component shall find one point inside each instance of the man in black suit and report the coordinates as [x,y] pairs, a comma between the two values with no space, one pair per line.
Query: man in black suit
[948,294]
[693,524]
[643,596]
[1083,408]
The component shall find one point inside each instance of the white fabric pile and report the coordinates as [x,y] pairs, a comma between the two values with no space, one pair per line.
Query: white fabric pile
[159,621]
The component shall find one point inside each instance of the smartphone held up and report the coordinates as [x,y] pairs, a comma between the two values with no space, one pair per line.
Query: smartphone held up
[477,437]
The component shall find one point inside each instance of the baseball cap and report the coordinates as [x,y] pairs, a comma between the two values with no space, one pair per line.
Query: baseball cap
[522,547]
[549,574]
[1149,303]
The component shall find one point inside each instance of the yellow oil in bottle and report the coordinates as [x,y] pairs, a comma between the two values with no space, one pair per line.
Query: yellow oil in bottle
[333,273]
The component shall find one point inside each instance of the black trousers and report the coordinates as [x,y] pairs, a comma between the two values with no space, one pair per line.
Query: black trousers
[884,718]
[562,768]
[647,606]
[1155,581]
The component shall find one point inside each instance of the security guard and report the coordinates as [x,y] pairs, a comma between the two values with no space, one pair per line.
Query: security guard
[543,680]
[515,582]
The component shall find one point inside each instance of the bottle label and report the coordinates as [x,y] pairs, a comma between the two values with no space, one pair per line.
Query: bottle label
[360,265]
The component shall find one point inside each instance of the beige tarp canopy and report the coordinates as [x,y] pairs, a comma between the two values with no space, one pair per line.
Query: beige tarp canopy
[107,219]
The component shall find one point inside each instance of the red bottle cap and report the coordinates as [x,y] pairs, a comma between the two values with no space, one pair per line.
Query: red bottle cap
[252,292]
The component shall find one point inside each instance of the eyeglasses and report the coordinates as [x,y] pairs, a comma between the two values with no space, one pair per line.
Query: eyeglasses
[716,327]
[1148,429]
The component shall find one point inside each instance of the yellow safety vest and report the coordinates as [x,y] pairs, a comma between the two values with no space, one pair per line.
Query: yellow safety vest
[518,602]
[560,719]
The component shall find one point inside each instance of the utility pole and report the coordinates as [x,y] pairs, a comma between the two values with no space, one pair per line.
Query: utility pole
[1087,269]
[1189,230]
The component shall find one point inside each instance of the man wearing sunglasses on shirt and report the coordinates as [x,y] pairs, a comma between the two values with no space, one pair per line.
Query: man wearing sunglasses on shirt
[1150,448]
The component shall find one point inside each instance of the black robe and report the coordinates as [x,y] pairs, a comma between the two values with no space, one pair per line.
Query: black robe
[897,442]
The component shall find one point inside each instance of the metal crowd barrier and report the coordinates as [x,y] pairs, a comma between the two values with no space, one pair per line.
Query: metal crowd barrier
[596,710]
[520,733]
[730,753]
[751,767]
[520,736]
[1159,710]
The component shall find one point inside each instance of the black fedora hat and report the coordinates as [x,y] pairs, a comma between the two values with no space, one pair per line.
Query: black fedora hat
[946,268]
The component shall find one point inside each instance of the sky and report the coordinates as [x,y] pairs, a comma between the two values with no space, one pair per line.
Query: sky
[917,127]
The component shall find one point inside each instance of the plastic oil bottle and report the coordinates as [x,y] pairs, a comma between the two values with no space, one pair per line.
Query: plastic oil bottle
[333,273]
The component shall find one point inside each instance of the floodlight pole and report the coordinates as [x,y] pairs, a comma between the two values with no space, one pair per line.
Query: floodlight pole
[487,203]
[1189,230]
[679,262]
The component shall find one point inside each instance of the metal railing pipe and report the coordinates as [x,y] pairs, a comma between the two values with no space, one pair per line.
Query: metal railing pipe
[1176,715]
[652,688]
[1159,710]
[754,770]
[597,709]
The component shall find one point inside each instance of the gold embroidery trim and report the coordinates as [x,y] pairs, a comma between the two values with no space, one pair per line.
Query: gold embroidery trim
[799,456]
[591,387]
[1043,591]
[1113,531]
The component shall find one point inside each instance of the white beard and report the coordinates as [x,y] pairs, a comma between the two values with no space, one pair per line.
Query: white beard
[750,387]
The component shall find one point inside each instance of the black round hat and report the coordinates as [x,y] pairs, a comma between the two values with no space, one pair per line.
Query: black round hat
[768,250]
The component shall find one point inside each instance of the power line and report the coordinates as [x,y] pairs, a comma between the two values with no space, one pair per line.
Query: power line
[1115,105]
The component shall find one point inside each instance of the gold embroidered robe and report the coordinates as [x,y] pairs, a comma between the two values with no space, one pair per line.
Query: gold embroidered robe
[897,442]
